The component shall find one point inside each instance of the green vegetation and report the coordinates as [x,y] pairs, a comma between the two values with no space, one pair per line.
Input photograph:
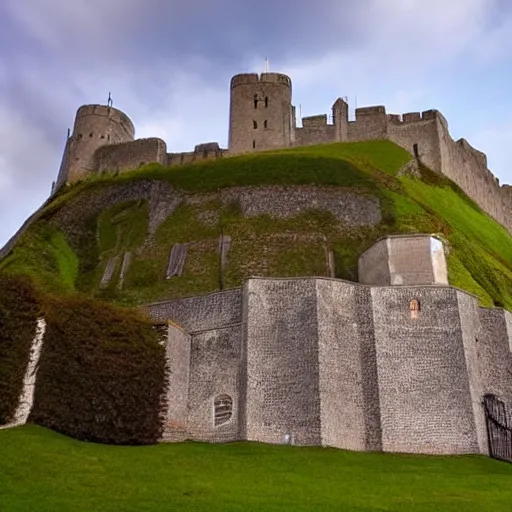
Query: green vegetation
[19,307]
[101,373]
[44,471]
[480,250]
[44,254]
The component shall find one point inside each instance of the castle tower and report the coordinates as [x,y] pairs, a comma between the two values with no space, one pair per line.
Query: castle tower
[95,126]
[260,115]
[340,118]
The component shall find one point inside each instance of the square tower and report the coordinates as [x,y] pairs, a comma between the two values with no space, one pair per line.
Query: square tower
[404,260]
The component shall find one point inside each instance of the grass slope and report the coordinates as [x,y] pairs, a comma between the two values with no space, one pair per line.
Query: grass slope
[479,249]
[44,471]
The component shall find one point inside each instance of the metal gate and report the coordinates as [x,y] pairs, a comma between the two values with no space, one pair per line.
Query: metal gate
[499,429]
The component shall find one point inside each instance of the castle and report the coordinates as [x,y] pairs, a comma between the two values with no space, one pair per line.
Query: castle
[262,117]
[399,362]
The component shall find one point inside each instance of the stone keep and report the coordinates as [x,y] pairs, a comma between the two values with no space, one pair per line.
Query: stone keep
[326,362]
[262,117]
[260,112]
[95,126]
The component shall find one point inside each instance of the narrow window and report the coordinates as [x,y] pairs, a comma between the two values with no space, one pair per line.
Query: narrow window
[253,144]
[265,124]
[90,134]
[266,101]
[222,410]
[255,101]
[414,308]
[416,152]
[255,124]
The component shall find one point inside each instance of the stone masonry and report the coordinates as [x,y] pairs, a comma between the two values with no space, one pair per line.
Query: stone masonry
[319,361]
[262,117]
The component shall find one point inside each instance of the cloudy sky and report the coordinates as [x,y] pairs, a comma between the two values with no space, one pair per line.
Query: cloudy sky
[168,64]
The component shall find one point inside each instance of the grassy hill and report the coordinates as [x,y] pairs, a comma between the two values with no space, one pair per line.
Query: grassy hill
[70,256]
[44,471]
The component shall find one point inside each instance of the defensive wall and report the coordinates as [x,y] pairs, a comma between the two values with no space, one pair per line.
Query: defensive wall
[322,361]
[262,117]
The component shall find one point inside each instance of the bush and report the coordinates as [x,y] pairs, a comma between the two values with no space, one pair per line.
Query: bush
[101,374]
[18,315]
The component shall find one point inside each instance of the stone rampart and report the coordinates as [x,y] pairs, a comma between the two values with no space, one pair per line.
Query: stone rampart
[424,388]
[129,156]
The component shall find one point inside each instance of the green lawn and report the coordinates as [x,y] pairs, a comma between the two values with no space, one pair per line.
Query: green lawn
[44,471]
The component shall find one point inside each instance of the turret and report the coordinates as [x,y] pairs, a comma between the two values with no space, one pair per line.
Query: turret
[95,126]
[261,113]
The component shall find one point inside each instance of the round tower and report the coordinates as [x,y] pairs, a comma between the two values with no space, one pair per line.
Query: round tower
[95,126]
[260,112]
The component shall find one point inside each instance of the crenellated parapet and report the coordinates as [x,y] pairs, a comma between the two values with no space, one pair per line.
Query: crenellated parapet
[262,117]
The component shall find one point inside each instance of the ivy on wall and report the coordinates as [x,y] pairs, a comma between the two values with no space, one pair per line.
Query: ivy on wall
[19,307]
[101,375]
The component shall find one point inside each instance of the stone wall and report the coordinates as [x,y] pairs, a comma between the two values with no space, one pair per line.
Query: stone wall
[205,312]
[471,330]
[129,156]
[371,123]
[348,207]
[424,389]
[282,362]
[402,260]
[318,361]
[349,400]
[418,134]
[177,353]
[215,362]
[494,352]
[315,130]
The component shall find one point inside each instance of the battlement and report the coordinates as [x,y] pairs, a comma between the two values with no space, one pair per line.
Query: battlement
[262,117]
[314,121]
[370,111]
[252,78]
[207,147]
[113,114]
[415,117]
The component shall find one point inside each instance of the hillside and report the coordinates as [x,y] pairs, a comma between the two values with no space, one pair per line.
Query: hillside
[284,212]
[42,470]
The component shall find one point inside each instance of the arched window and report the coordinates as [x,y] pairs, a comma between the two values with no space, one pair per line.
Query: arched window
[414,308]
[255,101]
[265,124]
[253,144]
[255,124]
[222,410]
[266,101]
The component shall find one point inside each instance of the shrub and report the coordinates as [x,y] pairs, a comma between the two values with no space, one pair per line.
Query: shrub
[101,375]
[18,314]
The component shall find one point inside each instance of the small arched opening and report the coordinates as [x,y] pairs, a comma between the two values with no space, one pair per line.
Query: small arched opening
[414,308]
[222,410]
